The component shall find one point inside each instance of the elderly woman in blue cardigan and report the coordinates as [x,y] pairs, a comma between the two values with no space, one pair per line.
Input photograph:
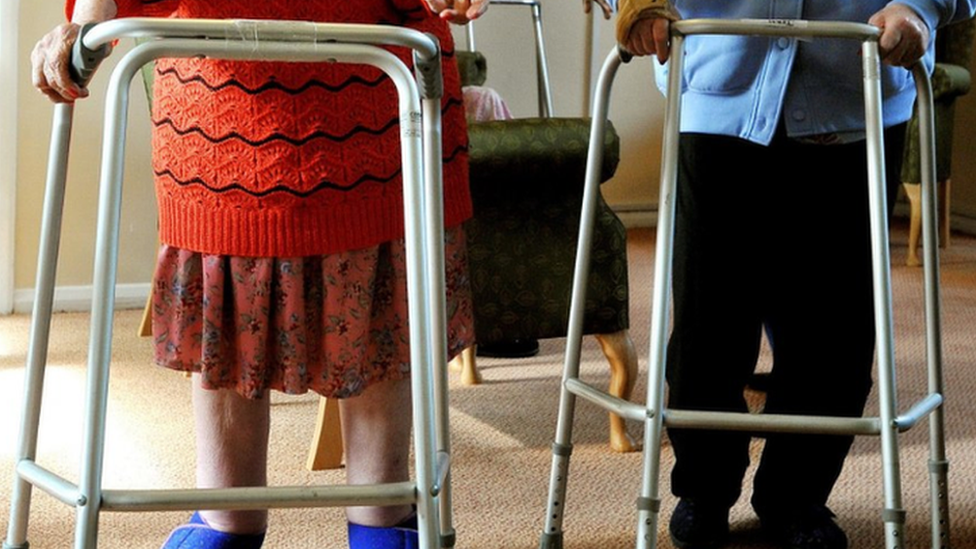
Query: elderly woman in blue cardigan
[768,126]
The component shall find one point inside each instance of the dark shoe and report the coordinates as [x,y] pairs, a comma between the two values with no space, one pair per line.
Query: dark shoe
[759,381]
[698,526]
[811,528]
[516,348]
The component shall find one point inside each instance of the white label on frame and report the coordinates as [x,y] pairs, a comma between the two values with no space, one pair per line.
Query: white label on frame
[412,124]
[791,23]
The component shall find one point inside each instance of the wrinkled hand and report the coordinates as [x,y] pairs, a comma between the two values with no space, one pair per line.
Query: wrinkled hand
[49,65]
[650,36]
[604,5]
[904,35]
[459,12]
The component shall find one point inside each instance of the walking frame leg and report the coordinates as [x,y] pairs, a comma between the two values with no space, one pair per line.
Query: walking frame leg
[648,504]
[894,515]
[552,535]
[437,332]
[40,322]
[103,306]
[932,226]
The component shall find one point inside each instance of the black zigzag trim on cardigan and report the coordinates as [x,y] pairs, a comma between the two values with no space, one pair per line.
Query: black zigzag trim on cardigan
[392,123]
[324,184]
[196,181]
[277,136]
[356,79]
[271,85]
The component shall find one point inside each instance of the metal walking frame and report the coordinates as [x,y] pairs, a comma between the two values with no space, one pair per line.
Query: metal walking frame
[655,416]
[420,134]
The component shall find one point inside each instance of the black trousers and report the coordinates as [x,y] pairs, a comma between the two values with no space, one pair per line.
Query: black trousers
[776,236]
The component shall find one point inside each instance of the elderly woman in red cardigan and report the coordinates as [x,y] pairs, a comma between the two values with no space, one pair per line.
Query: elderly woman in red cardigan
[282,258]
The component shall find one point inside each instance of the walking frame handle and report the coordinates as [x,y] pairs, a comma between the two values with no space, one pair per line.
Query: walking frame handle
[797,28]
[85,60]
[94,43]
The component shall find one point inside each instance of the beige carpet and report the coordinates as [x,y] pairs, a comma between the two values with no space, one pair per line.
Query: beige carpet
[502,431]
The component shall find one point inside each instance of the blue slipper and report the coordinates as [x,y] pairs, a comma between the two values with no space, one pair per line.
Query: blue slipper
[401,536]
[196,534]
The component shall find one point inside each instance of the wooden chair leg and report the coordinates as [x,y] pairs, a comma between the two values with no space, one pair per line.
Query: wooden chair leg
[327,448]
[914,193]
[944,192]
[619,350]
[466,365]
[145,325]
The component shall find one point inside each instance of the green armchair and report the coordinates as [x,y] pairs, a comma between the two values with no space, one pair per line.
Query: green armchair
[951,79]
[527,180]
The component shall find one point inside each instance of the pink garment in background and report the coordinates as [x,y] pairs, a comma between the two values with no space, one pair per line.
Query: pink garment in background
[482,104]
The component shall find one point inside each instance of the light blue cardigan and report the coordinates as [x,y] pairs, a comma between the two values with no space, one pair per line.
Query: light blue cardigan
[743,86]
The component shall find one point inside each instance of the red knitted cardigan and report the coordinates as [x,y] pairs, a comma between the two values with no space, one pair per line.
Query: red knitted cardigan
[280,159]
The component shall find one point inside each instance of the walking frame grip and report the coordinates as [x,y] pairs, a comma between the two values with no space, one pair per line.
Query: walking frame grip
[653,413]
[424,228]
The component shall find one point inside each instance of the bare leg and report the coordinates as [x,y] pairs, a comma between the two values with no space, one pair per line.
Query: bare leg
[376,432]
[232,451]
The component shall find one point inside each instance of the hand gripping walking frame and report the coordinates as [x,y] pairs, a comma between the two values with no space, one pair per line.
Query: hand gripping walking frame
[423,212]
[653,414]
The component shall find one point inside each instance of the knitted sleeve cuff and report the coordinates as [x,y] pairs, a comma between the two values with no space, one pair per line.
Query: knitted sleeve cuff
[632,11]
[134,8]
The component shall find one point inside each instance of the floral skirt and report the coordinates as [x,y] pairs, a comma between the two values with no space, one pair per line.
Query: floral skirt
[331,324]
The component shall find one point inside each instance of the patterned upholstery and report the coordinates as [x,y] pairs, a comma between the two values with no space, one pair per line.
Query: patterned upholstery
[951,79]
[527,180]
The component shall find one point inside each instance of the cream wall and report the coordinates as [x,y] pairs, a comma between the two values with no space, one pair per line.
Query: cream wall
[9,19]
[137,242]
[505,36]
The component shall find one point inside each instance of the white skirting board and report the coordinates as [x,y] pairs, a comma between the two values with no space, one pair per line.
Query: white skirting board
[79,298]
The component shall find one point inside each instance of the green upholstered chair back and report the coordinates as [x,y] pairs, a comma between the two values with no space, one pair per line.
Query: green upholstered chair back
[954,44]
[951,79]
[527,178]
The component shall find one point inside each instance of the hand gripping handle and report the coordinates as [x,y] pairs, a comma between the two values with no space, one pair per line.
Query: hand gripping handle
[85,61]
